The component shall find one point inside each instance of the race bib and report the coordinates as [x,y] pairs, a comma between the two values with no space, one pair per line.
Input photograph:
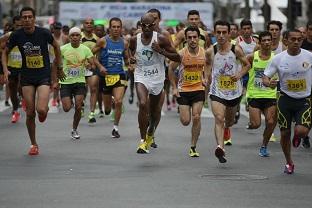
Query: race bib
[191,77]
[110,80]
[34,62]
[150,72]
[296,85]
[226,83]
[73,72]
[15,59]
[258,80]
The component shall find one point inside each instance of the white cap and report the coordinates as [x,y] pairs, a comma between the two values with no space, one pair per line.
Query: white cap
[74,30]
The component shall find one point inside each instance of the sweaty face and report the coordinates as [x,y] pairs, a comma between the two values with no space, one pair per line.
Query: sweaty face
[222,33]
[75,38]
[193,20]
[192,39]
[233,31]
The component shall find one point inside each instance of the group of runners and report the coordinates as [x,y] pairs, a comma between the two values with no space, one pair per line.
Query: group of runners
[278,83]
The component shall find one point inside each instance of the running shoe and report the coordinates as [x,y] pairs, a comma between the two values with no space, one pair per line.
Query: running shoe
[219,153]
[193,152]
[101,114]
[42,118]
[91,117]
[264,152]
[149,140]
[54,103]
[75,134]
[306,142]
[142,148]
[15,117]
[273,138]
[237,116]
[115,134]
[154,145]
[296,141]
[289,168]
[130,99]
[7,104]
[228,142]
[34,150]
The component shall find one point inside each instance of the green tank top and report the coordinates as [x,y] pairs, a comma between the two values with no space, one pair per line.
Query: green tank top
[255,87]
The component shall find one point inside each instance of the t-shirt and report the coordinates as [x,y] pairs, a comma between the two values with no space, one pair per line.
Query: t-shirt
[294,73]
[74,60]
[34,51]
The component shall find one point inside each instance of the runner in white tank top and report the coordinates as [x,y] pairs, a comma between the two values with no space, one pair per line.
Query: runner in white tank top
[148,51]
[226,87]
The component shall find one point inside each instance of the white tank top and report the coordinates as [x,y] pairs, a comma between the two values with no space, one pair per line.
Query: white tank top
[222,86]
[248,48]
[279,48]
[150,64]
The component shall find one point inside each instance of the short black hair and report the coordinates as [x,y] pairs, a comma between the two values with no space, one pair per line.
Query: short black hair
[24,9]
[192,12]
[65,28]
[192,28]
[263,34]
[114,19]
[275,22]
[285,34]
[16,18]
[222,23]
[234,24]
[155,11]
[245,22]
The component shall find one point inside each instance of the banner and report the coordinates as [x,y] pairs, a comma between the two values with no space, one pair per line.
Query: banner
[77,11]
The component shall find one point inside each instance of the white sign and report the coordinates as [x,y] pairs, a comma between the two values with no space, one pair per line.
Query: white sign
[70,11]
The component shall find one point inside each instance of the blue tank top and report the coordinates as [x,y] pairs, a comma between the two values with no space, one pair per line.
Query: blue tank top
[111,57]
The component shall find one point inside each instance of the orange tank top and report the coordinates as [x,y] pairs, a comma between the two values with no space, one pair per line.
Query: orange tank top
[191,71]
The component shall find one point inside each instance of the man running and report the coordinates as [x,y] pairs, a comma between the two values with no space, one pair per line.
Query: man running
[261,99]
[193,75]
[150,49]
[294,69]
[32,42]
[74,56]
[14,66]
[112,51]
[89,39]
[226,87]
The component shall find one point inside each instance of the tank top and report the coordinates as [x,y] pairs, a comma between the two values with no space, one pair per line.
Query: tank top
[255,87]
[111,57]
[248,48]
[150,64]
[191,71]
[89,42]
[222,86]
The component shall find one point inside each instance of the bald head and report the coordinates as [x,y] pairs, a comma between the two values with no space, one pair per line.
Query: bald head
[148,23]
[147,18]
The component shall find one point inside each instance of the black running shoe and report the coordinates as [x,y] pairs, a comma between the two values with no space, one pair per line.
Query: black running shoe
[115,134]
[154,145]
[306,142]
[219,153]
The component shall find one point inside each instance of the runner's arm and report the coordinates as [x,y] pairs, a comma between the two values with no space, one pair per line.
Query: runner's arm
[164,48]
[179,39]
[209,61]
[245,63]
[100,43]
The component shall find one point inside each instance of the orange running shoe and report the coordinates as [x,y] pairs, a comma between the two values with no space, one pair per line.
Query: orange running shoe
[15,117]
[34,150]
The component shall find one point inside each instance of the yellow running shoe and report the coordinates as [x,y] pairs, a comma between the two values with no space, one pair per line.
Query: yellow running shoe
[149,140]
[142,149]
[193,152]
[273,138]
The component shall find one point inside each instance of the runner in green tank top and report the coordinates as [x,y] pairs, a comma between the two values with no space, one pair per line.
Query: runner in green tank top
[261,99]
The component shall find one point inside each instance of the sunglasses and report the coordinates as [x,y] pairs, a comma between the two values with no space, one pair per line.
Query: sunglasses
[147,25]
